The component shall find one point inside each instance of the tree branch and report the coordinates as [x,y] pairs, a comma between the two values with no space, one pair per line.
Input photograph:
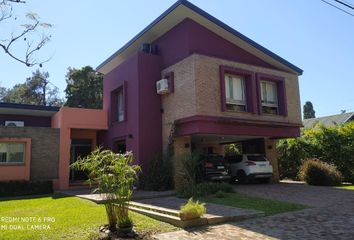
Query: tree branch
[6,45]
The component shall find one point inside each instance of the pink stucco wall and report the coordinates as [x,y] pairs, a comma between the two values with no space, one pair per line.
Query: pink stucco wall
[18,171]
[69,120]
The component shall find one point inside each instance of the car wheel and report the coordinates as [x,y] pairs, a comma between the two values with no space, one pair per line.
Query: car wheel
[242,177]
[233,180]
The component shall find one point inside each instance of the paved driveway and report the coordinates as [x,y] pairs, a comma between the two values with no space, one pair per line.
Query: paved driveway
[331,216]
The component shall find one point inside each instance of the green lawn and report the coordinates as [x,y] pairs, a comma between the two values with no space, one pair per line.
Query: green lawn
[348,187]
[269,207]
[67,218]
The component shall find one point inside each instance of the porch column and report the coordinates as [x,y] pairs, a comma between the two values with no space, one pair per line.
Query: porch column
[272,156]
[182,148]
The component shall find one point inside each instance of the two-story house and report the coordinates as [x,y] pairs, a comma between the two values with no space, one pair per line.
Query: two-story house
[219,87]
[222,88]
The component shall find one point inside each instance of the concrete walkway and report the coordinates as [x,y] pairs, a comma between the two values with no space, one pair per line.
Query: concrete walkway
[332,216]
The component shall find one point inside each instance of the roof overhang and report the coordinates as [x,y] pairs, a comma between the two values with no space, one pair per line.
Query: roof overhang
[27,110]
[200,125]
[178,12]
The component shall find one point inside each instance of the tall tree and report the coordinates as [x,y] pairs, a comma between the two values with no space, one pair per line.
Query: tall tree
[308,110]
[84,88]
[30,35]
[36,90]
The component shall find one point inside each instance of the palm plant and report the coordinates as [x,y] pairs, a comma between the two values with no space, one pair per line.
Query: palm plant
[114,176]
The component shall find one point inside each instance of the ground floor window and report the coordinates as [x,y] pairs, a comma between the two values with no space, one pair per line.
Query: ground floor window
[12,152]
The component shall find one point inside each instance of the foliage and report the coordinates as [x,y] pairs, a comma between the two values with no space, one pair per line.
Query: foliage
[159,175]
[75,218]
[203,189]
[220,194]
[125,222]
[84,88]
[232,150]
[114,176]
[316,172]
[348,187]
[23,188]
[268,206]
[30,36]
[333,145]
[308,110]
[192,209]
[36,90]
[192,168]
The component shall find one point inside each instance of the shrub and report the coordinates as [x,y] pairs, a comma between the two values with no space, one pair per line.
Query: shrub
[316,172]
[159,176]
[192,210]
[114,175]
[203,189]
[192,168]
[23,188]
[334,145]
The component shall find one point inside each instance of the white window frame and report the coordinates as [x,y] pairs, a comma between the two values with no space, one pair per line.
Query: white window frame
[264,94]
[4,148]
[229,92]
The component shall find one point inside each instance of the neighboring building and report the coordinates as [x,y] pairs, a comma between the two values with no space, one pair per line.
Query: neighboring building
[219,87]
[222,88]
[39,142]
[329,120]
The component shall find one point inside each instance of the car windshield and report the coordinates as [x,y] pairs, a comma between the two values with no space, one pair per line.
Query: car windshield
[256,158]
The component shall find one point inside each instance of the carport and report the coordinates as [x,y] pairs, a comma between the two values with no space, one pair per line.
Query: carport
[209,134]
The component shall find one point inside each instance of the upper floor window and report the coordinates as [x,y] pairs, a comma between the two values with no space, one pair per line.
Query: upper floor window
[238,90]
[269,97]
[235,93]
[120,105]
[12,153]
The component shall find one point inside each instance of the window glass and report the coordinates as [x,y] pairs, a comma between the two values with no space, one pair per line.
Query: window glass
[235,89]
[269,93]
[235,93]
[12,152]
[120,104]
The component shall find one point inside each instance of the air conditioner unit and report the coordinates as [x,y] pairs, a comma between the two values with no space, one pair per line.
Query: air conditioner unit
[14,123]
[162,86]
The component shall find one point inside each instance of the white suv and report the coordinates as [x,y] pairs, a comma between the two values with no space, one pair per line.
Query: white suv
[248,167]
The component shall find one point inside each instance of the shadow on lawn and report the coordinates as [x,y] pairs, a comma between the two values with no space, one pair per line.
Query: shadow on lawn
[53,195]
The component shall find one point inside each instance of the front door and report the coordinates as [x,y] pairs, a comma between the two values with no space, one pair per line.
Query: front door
[79,148]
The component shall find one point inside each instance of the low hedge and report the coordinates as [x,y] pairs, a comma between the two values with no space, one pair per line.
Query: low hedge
[203,189]
[315,172]
[23,188]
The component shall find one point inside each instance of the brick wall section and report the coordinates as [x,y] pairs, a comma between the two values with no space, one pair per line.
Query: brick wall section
[207,81]
[44,152]
[272,156]
[197,92]
[181,103]
[180,151]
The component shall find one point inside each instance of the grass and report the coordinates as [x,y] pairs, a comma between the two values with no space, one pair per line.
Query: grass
[348,187]
[269,207]
[67,218]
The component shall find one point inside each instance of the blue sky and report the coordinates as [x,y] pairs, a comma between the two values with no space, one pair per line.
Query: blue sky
[310,34]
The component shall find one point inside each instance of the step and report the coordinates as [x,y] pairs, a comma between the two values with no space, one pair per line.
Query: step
[149,207]
[176,221]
